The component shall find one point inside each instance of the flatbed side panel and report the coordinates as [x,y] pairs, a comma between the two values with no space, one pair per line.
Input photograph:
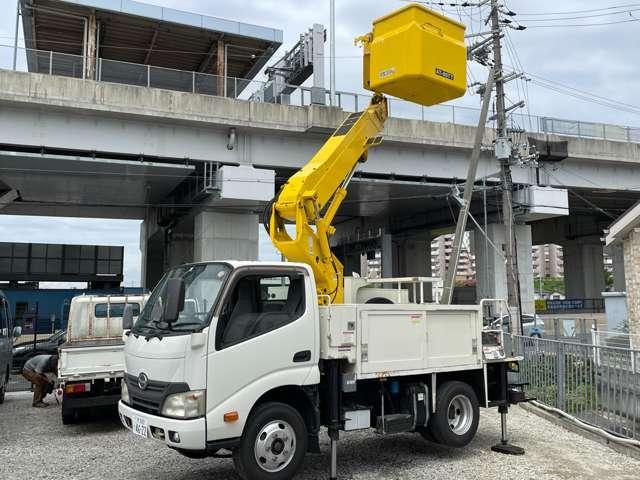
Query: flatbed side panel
[392,340]
[91,362]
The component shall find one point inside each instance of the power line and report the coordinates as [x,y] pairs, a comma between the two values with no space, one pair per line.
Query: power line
[570,12]
[557,19]
[585,24]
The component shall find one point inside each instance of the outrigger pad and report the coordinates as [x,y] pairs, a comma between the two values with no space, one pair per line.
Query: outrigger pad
[508,449]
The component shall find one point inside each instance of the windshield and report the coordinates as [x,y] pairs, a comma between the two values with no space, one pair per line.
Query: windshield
[202,284]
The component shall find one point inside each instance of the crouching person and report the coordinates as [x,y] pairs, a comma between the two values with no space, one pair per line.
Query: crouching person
[35,370]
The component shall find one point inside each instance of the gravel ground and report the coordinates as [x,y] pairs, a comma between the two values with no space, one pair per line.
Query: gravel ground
[35,445]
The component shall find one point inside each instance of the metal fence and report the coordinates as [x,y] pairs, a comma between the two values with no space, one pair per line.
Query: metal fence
[598,385]
[105,70]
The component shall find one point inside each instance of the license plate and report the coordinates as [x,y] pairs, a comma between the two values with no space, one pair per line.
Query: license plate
[139,426]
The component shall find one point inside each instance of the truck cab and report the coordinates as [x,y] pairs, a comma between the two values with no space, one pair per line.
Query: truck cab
[244,330]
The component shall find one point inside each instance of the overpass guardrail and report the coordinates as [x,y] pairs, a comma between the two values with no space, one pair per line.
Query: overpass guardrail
[105,70]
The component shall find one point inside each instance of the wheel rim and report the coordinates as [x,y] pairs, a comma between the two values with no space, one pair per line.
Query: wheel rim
[275,446]
[460,414]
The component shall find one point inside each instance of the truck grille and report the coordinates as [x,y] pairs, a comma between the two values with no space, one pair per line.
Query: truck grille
[150,399]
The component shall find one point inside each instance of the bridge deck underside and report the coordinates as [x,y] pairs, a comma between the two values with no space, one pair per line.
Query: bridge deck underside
[59,185]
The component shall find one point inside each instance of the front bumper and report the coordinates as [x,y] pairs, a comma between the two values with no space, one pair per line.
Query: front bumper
[192,432]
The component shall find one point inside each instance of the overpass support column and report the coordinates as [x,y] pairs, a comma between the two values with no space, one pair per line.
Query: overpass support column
[90,47]
[225,236]
[491,272]
[404,256]
[151,253]
[583,269]
[617,256]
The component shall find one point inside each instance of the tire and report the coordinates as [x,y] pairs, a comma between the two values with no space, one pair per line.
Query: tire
[455,421]
[69,417]
[426,434]
[272,427]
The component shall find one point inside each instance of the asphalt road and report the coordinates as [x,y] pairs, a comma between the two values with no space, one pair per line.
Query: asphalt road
[35,445]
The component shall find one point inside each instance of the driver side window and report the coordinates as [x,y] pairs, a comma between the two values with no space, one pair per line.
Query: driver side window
[259,304]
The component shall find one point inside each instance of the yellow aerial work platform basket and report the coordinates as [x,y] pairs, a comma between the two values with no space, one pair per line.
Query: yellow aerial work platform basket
[416,54]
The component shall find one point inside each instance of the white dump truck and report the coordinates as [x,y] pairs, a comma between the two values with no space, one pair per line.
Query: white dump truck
[91,361]
[240,357]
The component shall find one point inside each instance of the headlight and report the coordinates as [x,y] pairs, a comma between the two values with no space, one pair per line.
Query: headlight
[124,392]
[184,405]
[19,350]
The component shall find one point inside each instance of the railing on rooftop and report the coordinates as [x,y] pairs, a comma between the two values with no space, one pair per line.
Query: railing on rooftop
[105,70]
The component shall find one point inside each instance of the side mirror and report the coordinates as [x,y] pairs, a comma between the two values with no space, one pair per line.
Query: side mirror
[127,317]
[175,299]
[17,331]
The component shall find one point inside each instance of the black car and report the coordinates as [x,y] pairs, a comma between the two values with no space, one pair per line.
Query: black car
[25,350]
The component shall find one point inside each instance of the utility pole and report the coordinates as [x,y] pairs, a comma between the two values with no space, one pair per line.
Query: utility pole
[332,52]
[503,154]
[15,38]
[461,225]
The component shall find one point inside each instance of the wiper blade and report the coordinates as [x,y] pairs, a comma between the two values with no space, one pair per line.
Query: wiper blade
[157,323]
[187,324]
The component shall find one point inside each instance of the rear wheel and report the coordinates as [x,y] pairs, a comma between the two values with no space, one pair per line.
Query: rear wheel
[273,444]
[455,420]
[69,418]
[3,386]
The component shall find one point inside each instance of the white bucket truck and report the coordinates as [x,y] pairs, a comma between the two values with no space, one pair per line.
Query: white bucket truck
[239,356]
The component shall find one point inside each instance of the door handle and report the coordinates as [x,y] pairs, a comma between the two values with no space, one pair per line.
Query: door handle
[302,356]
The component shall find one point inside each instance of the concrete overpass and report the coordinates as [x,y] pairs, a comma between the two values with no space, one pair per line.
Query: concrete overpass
[84,148]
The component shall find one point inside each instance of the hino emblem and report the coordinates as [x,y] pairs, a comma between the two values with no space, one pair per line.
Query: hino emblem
[143,381]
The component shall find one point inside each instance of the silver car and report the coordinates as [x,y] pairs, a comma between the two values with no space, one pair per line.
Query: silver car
[532,325]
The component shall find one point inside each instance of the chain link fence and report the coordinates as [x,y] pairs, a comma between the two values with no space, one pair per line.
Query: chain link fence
[599,385]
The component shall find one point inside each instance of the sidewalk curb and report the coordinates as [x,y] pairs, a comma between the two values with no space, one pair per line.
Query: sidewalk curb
[572,427]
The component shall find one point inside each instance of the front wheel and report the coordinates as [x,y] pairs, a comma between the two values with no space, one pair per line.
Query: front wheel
[455,421]
[273,444]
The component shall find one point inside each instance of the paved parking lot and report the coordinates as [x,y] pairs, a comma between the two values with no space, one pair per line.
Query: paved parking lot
[35,445]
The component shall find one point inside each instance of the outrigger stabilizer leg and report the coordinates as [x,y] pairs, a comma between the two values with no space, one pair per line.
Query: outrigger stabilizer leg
[333,436]
[504,446]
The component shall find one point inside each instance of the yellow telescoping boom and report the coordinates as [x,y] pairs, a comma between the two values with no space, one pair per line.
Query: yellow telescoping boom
[414,54]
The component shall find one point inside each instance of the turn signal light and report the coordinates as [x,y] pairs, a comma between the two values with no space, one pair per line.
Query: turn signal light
[231,417]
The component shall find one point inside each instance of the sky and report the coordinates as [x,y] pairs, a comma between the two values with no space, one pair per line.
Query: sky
[601,60]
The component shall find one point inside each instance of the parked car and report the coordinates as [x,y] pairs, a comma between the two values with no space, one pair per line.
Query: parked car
[532,325]
[7,335]
[25,350]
